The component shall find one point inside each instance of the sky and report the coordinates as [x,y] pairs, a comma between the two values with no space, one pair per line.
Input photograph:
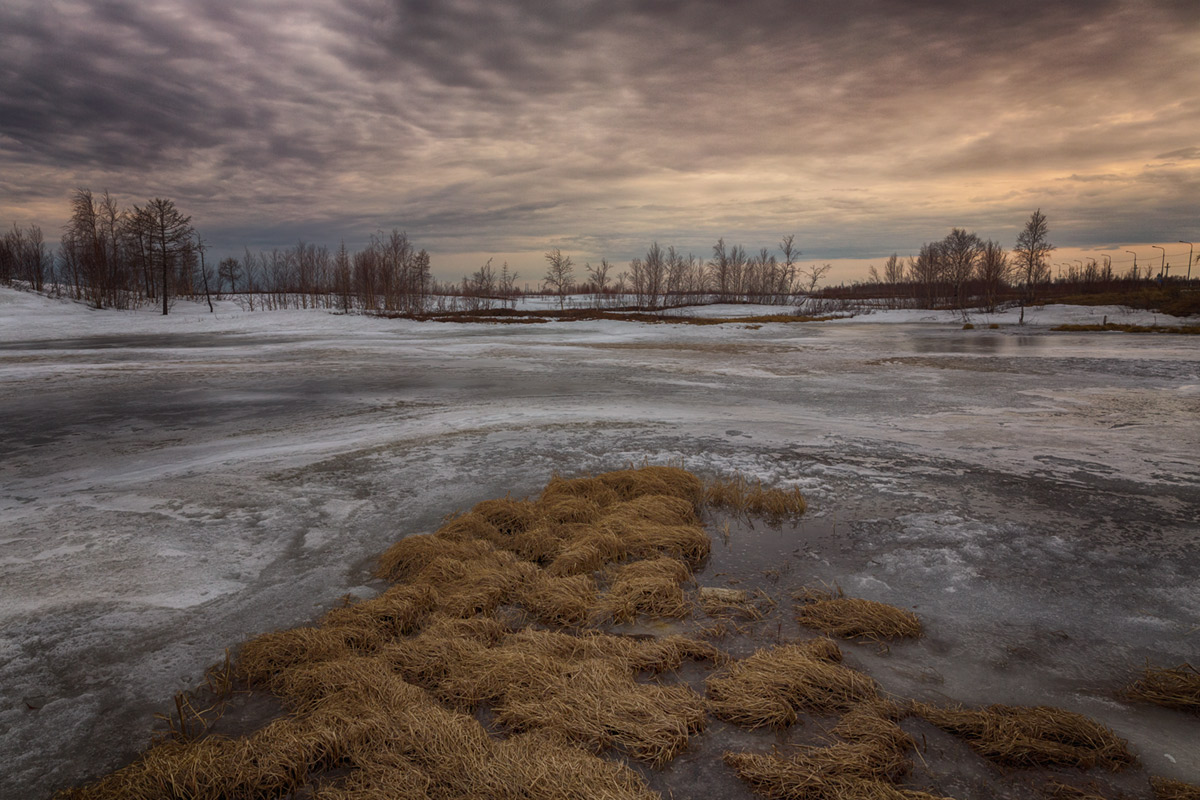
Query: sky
[501,128]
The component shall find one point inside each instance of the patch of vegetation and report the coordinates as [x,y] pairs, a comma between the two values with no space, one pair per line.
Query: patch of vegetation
[1031,736]
[502,316]
[834,614]
[1191,330]
[1175,687]
[1165,300]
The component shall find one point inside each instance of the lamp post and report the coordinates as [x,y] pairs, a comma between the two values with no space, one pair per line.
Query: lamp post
[1189,244]
[1164,259]
[1135,272]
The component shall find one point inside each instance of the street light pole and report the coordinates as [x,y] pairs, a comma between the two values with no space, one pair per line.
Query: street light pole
[1189,244]
[1135,272]
[1164,259]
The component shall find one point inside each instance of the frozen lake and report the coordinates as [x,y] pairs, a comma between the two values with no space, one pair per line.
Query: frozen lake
[170,487]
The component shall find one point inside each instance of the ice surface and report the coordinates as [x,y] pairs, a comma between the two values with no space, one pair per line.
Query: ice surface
[171,486]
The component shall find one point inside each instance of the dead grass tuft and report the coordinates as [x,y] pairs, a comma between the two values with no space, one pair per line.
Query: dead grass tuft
[1167,789]
[563,601]
[740,494]
[1057,790]
[772,686]
[648,588]
[854,618]
[1176,687]
[398,611]
[593,490]
[263,658]
[643,538]
[630,484]
[541,765]
[410,555]
[598,703]
[506,515]
[872,757]
[587,553]
[1030,736]
[719,602]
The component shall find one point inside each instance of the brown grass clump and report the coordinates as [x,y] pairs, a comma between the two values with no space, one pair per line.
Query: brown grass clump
[591,489]
[772,686]
[263,658]
[569,509]
[739,494]
[506,515]
[637,654]
[1028,736]
[672,481]
[865,765]
[1167,789]
[853,617]
[540,765]
[874,722]
[720,602]
[837,772]
[477,585]
[644,538]
[554,600]
[407,557]
[400,610]
[587,553]
[383,777]
[1177,687]
[647,588]
[581,687]
[597,702]
[1057,790]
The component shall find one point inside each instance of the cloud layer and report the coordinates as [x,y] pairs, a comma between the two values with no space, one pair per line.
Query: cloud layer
[483,126]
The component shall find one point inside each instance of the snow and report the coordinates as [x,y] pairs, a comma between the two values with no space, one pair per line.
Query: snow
[171,486]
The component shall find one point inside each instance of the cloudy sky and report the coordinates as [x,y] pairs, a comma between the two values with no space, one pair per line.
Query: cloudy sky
[501,127]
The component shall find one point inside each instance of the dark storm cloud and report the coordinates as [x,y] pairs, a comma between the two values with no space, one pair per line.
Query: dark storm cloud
[511,126]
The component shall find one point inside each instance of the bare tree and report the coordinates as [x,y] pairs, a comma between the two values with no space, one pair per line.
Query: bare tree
[1030,257]
[926,271]
[170,239]
[598,277]
[960,253]
[810,279]
[560,274]
[343,283]
[787,246]
[229,270]
[508,279]
[992,269]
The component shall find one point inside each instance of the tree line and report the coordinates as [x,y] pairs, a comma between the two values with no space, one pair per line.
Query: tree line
[665,277]
[965,271]
[114,257]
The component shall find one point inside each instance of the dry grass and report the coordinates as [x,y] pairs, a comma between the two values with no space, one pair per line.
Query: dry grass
[1167,789]
[854,618]
[772,686]
[650,588]
[1192,330]
[1037,736]
[398,611]
[872,757]
[1176,687]
[596,702]
[559,600]
[719,602]
[1057,790]
[630,484]
[740,494]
